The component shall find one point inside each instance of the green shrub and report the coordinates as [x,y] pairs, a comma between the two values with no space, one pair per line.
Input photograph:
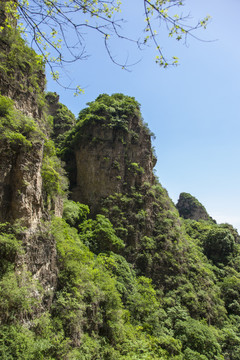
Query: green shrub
[16,128]
[6,106]
[53,175]
[218,245]
[17,296]
[200,338]
[74,213]
[87,296]
[17,343]
[193,355]
[231,294]
[20,67]
[100,235]
[125,276]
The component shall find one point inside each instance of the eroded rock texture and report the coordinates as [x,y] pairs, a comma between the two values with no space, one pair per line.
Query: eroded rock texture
[21,184]
[110,160]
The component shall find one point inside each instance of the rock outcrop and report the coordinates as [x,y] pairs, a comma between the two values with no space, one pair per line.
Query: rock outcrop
[22,136]
[41,260]
[190,208]
[21,184]
[63,119]
[110,158]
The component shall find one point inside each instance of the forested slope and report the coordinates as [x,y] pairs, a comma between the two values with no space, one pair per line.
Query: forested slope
[96,262]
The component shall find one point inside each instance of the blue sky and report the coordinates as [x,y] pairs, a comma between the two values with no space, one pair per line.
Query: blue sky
[193,109]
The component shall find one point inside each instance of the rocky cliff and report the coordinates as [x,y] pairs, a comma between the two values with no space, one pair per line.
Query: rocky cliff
[128,279]
[21,184]
[112,150]
[190,208]
[110,163]
[63,120]
[22,75]
[24,202]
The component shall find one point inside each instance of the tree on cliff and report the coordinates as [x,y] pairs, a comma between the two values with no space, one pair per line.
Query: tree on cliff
[57,28]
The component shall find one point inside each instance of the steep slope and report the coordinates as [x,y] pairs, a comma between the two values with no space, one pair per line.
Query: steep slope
[63,119]
[126,279]
[22,79]
[112,150]
[27,167]
[112,173]
[22,76]
[110,161]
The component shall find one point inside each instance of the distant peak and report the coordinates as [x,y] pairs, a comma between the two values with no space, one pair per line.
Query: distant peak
[190,208]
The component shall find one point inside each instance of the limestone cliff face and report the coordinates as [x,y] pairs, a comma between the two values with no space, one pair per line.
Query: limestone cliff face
[41,260]
[21,201]
[21,184]
[22,195]
[26,101]
[63,118]
[110,160]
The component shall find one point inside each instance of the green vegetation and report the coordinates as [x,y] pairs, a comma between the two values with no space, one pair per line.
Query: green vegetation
[15,128]
[99,235]
[74,213]
[103,310]
[22,132]
[134,282]
[63,120]
[21,69]
[110,112]
[55,182]
[136,168]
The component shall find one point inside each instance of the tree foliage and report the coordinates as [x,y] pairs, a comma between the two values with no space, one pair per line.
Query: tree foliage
[17,129]
[48,24]
[135,281]
[130,285]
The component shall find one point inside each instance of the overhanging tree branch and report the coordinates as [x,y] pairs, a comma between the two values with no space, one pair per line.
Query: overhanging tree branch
[49,23]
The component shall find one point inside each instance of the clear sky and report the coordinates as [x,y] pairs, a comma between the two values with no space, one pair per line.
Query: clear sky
[193,109]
